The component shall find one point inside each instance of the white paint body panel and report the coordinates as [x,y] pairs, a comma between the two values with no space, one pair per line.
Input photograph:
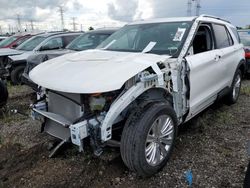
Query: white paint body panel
[22,56]
[92,71]
[9,51]
[211,72]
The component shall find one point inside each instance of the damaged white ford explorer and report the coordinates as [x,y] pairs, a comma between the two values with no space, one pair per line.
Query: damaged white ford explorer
[145,80]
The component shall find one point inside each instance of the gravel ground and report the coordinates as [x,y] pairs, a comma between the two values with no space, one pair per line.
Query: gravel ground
[212,146]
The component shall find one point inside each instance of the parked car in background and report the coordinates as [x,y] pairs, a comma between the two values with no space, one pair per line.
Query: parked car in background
[146,80]
[88,40]
[245,40]
[40,43]
[15,40]
[2,38]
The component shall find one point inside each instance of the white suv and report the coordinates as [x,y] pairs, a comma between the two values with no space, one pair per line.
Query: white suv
[146,79]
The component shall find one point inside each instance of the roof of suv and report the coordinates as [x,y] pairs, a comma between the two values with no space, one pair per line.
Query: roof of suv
[181,19]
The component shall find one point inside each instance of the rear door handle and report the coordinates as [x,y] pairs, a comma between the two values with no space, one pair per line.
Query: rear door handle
[217,58]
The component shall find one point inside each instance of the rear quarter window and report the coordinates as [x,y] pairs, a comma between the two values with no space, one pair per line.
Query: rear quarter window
[222,36]
[236,34]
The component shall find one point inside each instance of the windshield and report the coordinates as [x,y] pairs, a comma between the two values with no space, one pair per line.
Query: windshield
[156,38]
[87,41]
[8,41]
[30,44]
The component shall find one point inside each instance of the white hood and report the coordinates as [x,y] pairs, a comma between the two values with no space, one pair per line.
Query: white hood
[23,56]
[9,51]
[92,71]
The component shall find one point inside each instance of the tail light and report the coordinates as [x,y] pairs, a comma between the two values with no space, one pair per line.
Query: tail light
[247,55]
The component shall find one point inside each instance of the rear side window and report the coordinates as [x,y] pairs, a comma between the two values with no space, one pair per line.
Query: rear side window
[222,36]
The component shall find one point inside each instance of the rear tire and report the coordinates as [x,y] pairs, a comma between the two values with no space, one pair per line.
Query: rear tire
[148,138]
[235,88]
[16,74]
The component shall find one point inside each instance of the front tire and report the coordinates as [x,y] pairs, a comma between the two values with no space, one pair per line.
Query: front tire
[16,74]
[148,138]
[235,88]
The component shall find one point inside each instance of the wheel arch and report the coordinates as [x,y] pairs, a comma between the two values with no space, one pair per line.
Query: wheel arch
[128,101]
[242,66]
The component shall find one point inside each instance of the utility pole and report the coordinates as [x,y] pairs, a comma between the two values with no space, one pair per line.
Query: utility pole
[19,23]
[31,25]
[9,29]
[81,27]
[61,12]
[74,23]
[26,27]
[198,7]
[189,8]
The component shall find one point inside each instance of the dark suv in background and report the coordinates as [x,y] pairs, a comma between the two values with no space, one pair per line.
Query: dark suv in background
[88,40]
[245,40]
[16,61]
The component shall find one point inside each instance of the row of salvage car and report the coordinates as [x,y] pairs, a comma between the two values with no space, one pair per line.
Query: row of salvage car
[135,88]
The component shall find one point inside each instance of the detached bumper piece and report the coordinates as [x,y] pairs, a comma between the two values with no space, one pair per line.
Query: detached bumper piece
[54,117]
[63,129]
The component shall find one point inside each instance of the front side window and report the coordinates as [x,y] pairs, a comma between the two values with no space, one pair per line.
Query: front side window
[203,40]
[222,36]
[157,38]
[52,44]
[30,44]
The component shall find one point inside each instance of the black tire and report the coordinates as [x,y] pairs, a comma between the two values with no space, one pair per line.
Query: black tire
[3,94]
[247,177]
[16,74]
[234,93]
[134,136]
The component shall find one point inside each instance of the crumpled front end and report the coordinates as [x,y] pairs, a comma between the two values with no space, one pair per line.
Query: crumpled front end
[73,117]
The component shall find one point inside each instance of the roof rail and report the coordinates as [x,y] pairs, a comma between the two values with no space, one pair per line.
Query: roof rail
[215,17]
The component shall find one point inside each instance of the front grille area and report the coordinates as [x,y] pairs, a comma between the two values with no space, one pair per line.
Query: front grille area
[66,105]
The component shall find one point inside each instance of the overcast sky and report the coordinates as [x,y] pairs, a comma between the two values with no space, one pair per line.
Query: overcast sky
[106,13]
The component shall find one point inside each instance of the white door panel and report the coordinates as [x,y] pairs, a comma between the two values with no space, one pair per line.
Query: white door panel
[205,73]
[230,60]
